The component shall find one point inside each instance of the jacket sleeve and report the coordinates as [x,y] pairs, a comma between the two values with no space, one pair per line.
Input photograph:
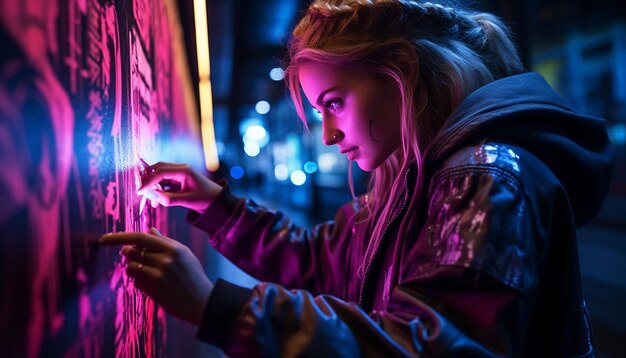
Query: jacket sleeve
[271,321]
[269,246]
[460,294]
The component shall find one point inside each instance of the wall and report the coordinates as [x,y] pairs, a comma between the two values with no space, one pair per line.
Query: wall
[87,87]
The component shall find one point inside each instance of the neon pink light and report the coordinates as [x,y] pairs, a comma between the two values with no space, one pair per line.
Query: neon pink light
[82,110]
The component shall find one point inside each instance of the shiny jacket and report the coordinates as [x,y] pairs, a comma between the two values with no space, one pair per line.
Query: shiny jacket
[490,269]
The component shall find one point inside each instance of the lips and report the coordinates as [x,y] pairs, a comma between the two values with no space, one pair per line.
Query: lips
[344,151]
[350,153]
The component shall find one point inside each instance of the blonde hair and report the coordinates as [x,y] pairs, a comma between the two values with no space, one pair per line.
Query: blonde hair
[435,55]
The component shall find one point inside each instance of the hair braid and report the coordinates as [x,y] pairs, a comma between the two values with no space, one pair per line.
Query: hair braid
[483,33]
[333,8]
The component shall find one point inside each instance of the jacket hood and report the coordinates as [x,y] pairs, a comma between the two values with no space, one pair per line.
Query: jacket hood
[523,110]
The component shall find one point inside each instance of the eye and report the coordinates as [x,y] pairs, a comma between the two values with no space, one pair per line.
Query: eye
[334,105]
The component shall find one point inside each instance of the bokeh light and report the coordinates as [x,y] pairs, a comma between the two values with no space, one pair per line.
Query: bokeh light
[236,172]
[326,162]
[256,132]
[262,107]
[277,74]
[252,149]
[281,172]
[310,167]
[298,177]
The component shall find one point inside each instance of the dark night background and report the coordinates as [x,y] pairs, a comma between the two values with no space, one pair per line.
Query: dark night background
[87,86]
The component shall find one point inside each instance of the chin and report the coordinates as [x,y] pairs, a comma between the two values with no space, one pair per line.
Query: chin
[369,163]
[367,166]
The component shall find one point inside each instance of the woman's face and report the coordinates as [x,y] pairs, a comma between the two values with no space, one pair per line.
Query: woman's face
[360,112]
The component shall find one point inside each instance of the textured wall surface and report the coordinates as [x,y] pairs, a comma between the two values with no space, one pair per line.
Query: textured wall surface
[87,87]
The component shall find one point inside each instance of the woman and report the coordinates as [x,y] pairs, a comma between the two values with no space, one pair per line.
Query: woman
[465,242]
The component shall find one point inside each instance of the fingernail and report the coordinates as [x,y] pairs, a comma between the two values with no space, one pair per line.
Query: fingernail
[103,238]
[150,195]
[157,231]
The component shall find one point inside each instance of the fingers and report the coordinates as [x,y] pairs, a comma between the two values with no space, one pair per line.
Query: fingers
[165,164]
[166,198]
[147,168]
[170,198]
[150,242]
[141,255]
[157,197]
[158,173]
[150,182]
[142,272]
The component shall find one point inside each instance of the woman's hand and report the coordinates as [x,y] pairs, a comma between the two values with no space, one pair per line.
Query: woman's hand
[165,270]
[170,184]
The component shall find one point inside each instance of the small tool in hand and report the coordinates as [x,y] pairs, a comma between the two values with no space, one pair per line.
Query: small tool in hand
[143,170]
[142,204]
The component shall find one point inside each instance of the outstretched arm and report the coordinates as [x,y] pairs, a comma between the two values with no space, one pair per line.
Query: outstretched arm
[173,184]
[261,241]
[271,320]
[269,246]
[165,270]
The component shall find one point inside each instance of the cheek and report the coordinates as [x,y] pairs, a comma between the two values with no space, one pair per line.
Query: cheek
[392,116]
[385,121]
[382,106]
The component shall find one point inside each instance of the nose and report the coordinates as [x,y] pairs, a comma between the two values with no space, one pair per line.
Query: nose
[330,134]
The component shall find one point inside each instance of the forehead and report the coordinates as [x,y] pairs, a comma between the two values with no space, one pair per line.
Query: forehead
[313,75]
[317,77]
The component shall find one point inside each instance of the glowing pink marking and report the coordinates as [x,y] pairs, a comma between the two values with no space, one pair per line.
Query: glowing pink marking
[94,76]
[44,209]
[111,203]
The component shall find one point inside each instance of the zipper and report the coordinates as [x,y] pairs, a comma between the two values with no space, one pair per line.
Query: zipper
[345,286]
[382,236]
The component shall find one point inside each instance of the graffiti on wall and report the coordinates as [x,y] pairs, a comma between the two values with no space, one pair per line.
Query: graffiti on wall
[87,87]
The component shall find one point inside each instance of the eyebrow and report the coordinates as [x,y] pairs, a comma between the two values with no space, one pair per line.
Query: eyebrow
[321,95]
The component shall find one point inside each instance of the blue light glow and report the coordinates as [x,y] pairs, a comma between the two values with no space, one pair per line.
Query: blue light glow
[277,74]
[298,177]
[316,114]
[310,167]
[252,149]
[617,133]
[236,172]
[281,172]
[247,122]
[256,133]
[262,107]
[327,162]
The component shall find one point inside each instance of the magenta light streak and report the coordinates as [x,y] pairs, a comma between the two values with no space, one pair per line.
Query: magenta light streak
[87,87]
